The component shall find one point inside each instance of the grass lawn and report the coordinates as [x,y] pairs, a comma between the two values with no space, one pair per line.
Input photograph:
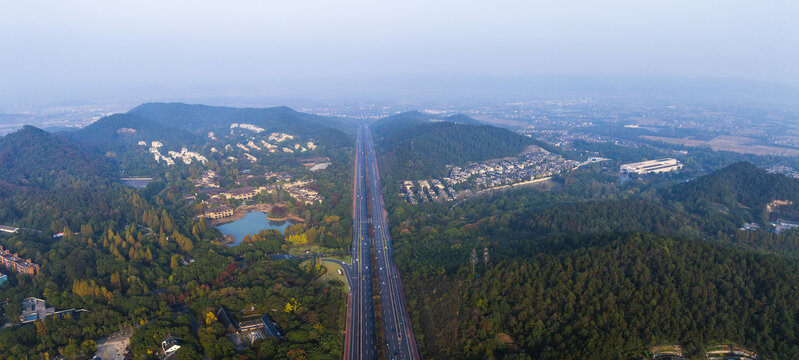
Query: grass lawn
[332,273]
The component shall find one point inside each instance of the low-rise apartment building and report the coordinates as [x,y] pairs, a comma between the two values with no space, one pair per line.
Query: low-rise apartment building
[13,262]
[218,212]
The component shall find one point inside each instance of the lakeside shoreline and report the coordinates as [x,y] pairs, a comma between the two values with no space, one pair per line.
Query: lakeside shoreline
[241,211]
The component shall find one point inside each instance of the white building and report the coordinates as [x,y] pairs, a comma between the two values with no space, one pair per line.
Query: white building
[651,166]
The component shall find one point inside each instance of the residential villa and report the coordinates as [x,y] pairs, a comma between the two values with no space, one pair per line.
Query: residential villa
[218,212]
[245,193]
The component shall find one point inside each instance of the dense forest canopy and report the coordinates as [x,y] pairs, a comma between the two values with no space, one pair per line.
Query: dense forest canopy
[32,157]
[106,132]
[602,274]
[426,149]
[141,261]
[200,119]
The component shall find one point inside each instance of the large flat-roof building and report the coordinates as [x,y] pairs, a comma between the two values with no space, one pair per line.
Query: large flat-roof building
[651,166]
[8,229]
[36,309]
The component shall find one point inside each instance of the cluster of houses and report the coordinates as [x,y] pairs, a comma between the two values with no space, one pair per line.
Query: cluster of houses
[217,207]
[299,190]
[504,172]
[13,262]
[186,156]
[717,352]
[487,175]
[272,146]
[425,192]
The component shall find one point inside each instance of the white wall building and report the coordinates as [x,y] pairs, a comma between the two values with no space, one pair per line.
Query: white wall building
[651,166]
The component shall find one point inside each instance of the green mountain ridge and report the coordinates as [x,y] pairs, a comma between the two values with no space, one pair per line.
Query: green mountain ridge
[199,119]
[126,130]
[32,157]
[424,150]
[409,119]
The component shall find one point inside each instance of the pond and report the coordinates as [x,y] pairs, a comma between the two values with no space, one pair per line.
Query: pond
[251,223]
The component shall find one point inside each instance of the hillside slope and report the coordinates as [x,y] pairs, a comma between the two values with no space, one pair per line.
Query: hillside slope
[740,190]
[410,119]
[34,158]
[607,278]
[424,150]
[199,119]
[126,130]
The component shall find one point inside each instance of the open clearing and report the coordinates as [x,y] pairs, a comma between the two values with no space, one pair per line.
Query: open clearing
[739,144]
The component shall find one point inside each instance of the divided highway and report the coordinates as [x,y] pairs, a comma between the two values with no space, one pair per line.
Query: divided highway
[361,337]
[396,323]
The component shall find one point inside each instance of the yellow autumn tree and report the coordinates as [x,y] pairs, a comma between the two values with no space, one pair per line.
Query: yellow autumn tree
[291,306]
[330,219]
[297,239]
[210,318]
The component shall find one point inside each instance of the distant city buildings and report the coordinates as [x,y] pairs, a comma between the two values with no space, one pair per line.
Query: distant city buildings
[651,166]
[13,262]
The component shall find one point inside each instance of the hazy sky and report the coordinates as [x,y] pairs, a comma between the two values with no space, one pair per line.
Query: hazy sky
[100,50]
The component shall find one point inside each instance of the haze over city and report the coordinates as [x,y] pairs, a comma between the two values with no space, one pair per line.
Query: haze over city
[98,51]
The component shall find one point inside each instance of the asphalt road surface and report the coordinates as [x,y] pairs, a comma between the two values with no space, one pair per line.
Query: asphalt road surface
[396,323]
[361,337]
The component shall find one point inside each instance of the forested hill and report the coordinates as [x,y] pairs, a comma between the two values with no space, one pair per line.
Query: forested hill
[34,158]
[410,119]
[426,149]
[740,187]
[740,183]
[121,130]
[603,274]
[200,119]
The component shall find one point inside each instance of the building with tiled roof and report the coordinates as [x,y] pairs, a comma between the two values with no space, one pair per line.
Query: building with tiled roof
[13,262]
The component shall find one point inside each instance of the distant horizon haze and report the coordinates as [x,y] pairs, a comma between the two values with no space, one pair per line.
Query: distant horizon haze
[415,50]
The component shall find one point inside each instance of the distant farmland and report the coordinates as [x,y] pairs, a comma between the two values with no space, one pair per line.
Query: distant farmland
[737,144]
